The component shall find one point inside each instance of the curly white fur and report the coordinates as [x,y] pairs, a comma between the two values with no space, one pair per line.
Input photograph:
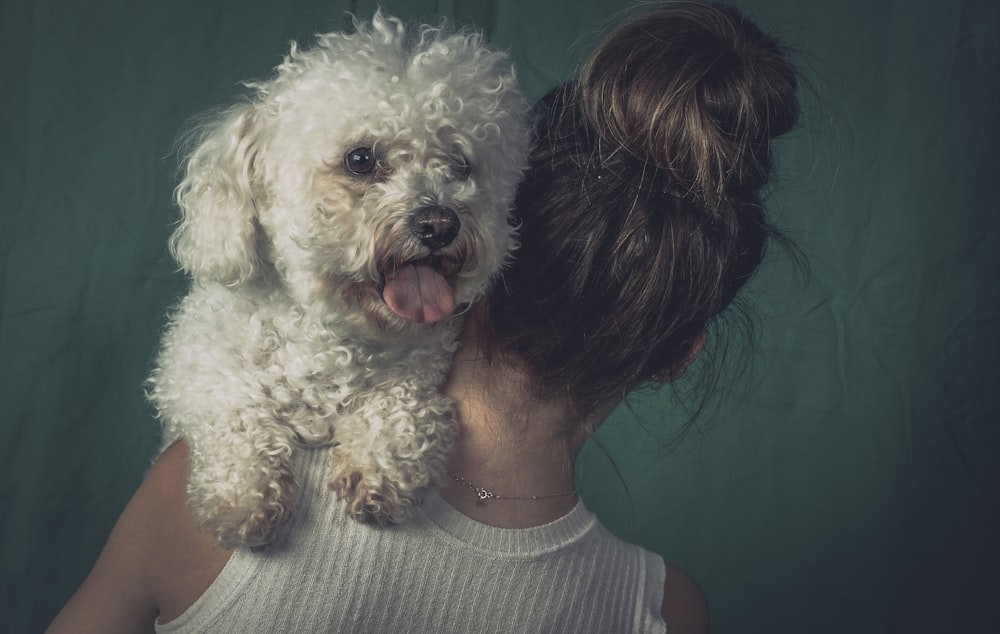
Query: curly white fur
[298,207]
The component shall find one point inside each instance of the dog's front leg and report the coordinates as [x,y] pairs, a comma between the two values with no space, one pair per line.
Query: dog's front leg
[242,487]
[389,450]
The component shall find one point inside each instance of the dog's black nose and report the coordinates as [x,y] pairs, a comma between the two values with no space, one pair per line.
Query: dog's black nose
[435,226]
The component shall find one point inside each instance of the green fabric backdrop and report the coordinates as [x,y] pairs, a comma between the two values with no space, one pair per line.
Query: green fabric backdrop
[848,484]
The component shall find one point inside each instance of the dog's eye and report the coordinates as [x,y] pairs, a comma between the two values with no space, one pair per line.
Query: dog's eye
[360,160]
[461,169]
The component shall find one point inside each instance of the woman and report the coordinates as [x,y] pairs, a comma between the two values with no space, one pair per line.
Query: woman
[640,220]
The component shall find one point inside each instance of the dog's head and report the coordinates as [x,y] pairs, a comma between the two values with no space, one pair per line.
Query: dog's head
[372,177]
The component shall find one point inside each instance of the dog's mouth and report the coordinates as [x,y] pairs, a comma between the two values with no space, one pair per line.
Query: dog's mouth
[421,291]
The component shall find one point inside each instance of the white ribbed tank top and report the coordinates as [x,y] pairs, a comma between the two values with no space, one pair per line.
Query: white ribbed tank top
[439,572]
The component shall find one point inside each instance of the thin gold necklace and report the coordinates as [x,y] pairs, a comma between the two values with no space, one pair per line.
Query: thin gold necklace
[486,494]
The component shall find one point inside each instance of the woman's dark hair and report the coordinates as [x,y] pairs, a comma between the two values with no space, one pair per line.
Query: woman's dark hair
[641,215]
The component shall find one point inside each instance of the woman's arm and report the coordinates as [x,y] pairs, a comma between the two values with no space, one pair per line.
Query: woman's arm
[155,563]
[684,606]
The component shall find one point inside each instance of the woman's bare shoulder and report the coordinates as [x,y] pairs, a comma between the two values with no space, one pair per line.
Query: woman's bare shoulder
[155,563]
[684,606]
[187,559]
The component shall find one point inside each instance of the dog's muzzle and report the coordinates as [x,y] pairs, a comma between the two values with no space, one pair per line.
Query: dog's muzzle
[419,290]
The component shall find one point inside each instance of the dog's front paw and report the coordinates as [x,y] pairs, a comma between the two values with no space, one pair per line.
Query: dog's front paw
[368,495]
[248,517]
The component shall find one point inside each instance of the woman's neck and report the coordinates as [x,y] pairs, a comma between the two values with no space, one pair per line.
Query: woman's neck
[509,442]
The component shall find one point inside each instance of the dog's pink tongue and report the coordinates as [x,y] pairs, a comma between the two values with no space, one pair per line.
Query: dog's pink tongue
[419,293]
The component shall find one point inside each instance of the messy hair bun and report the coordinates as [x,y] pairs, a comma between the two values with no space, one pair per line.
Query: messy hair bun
[696,89]
[640,216]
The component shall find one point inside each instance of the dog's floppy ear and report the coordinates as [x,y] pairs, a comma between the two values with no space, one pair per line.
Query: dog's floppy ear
[217,235]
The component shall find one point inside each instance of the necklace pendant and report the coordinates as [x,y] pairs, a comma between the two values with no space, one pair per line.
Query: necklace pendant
[485,494]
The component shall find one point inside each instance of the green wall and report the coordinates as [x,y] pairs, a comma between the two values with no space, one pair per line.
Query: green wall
[847,483]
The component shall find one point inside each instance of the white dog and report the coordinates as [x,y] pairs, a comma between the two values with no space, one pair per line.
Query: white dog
[334,225]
